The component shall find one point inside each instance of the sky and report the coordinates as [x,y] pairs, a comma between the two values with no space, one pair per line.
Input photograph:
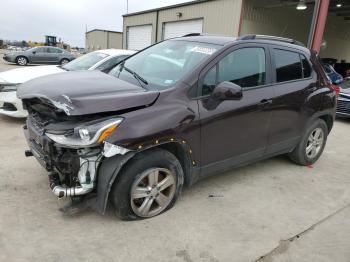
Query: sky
[66,19]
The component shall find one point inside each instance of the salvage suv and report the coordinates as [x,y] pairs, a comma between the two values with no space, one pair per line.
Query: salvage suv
[173,113]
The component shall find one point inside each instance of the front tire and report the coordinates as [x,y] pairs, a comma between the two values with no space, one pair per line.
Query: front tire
[64,61]
[148,185]
[312,144]
[22,61]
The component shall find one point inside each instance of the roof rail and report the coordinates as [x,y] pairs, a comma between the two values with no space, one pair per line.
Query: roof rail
[192,34]
[269,37]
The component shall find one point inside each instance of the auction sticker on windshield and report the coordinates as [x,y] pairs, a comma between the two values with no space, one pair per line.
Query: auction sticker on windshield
[203,50]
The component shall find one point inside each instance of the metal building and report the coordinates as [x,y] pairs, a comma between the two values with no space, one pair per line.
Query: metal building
[144,28]
[303,20]
[103,39]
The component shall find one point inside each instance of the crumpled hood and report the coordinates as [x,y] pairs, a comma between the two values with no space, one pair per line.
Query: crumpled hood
[21,75]
[86,92]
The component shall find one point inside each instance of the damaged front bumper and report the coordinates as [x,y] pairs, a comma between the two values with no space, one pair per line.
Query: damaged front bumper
[63,180]
[75,172]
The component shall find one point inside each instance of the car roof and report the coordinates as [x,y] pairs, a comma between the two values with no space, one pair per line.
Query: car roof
[225,40]
[113,52]
[209,39]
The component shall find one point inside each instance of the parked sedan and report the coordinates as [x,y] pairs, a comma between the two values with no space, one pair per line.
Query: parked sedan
[39,55]
[343,105]
[10,105]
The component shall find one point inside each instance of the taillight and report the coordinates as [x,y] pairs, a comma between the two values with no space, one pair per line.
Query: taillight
[336,89]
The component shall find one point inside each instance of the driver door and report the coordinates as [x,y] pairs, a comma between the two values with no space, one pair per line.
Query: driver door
[39,55]
[235,132]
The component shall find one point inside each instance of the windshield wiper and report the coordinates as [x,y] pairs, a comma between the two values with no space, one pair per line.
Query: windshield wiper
[135,75]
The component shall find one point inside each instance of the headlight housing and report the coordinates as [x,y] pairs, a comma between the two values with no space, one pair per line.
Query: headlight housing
[86,135]
[8,87]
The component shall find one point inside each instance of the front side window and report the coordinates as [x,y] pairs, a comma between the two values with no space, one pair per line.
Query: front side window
[164,64]
[85,62]
[245,67]
[209,81]
[288,65]
[41,50]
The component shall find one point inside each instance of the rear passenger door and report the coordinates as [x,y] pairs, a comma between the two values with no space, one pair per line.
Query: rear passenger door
[293,102]
[53,55]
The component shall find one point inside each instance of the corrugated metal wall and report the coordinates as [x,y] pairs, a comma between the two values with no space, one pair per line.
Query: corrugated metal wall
[219,17]
[278,21]
[96,40]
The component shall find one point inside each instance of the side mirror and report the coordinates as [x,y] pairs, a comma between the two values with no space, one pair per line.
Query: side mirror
[34,52]
[227,91]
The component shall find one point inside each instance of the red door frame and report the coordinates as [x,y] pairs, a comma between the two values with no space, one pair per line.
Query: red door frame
[317,28]
[320,24]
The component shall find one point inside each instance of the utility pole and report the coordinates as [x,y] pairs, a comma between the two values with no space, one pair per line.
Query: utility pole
[127,6]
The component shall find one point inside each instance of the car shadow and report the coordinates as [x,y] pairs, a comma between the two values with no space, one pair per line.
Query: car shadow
[11,120]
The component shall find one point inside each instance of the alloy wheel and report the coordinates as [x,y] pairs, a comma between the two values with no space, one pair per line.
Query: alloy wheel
[314,143]
[22,61]
[152,192]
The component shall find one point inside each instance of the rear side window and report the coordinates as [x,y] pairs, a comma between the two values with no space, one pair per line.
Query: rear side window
[288,65]
[291,66]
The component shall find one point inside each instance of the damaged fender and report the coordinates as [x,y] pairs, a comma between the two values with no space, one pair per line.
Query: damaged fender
[107,174]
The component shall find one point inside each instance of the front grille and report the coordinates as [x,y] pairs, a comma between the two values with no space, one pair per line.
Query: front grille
[343,107]
[9,107]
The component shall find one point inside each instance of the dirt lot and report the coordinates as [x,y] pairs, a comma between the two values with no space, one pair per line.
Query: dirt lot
[272,209]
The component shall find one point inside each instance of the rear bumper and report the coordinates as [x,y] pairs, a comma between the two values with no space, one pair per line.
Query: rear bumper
[11,106]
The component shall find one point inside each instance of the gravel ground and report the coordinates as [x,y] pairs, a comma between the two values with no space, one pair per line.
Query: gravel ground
[269,211]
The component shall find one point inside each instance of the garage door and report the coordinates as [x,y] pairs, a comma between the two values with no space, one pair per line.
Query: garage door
[175,29]
[139,37]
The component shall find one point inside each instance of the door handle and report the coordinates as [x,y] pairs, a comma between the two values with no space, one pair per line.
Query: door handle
[311,89]
[265,102]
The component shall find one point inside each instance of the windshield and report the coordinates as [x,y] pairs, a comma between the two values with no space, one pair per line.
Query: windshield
[164,64]
[85,62]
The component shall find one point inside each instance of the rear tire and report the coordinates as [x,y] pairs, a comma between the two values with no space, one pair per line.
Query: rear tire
[22,61]
[311,145]
[148,185]
[64,61]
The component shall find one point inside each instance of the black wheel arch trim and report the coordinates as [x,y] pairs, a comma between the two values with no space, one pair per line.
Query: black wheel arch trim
[328,116]
[111,167]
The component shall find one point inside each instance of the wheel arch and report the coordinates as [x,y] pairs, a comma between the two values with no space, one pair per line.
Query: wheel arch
[111,167]
[65,58]
[329,121]
[22,56]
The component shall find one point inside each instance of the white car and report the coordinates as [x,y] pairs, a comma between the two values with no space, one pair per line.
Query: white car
[10,105]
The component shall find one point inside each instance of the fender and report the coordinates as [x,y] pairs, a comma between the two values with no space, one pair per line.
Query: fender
[107,174]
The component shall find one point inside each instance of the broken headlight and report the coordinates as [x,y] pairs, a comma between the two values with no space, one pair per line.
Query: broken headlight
[86,135]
